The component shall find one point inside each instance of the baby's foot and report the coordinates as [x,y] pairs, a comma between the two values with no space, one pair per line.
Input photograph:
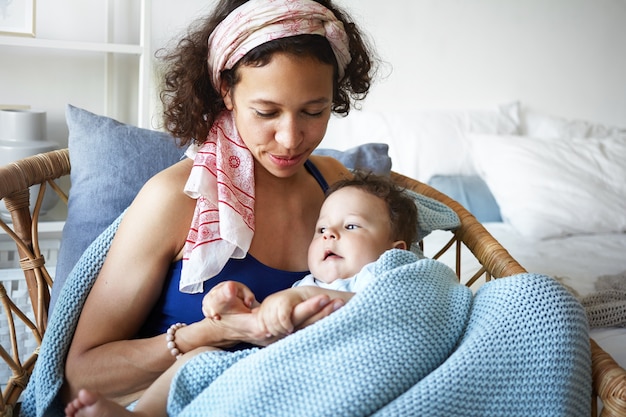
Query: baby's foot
[91,404]
[227,297]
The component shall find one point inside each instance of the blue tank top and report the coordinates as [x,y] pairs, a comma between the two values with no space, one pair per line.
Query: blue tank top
[174,306]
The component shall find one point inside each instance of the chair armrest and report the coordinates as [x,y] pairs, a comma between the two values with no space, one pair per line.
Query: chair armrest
[16,179]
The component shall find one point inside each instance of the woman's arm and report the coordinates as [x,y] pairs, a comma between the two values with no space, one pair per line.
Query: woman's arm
[103,355]
[149,238]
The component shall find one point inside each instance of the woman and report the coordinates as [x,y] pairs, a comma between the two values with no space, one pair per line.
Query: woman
[249,190]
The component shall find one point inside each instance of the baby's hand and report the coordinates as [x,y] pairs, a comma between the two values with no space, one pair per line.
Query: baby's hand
[228,297]
[275,313]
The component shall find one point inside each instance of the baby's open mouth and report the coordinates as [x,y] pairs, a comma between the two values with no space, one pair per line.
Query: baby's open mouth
[329,254]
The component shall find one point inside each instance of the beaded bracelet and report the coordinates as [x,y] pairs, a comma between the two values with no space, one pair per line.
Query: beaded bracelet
[171,342]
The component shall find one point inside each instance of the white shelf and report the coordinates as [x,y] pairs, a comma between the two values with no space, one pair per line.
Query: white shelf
[141,50]
[46,229]
[53,227]
[116,48]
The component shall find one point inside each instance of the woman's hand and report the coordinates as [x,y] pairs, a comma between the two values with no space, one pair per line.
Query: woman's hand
[314,309]
[275,313]
[238,327]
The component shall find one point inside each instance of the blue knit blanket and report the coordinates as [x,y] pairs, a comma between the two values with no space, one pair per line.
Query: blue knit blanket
[415,342]
[41,397]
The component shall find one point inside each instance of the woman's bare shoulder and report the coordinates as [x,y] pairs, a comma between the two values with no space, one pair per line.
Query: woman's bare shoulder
[332,170]
[173,176]
[167,185]
[162,210]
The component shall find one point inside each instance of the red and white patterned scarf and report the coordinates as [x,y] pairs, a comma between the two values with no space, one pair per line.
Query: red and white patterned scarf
[222,177]
[222,181]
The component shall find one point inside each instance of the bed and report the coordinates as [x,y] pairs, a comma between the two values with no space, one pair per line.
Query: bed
[88,131]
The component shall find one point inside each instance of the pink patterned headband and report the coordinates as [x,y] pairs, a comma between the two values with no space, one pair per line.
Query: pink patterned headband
[259,21]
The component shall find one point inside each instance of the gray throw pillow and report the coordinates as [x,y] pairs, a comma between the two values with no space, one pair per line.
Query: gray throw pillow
[110,162]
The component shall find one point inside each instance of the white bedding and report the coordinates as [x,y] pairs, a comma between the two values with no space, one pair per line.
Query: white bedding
[576,260]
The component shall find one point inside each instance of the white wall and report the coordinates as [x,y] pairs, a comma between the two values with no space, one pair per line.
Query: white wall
[565,57]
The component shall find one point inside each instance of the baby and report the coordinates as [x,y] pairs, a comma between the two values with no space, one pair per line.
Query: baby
[360,219]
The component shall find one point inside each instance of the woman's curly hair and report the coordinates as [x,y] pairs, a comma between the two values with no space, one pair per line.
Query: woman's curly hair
[191,103]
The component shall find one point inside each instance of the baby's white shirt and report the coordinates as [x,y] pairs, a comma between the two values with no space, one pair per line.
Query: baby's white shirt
[355,283]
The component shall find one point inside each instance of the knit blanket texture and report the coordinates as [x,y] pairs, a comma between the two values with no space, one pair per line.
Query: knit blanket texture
[414,342]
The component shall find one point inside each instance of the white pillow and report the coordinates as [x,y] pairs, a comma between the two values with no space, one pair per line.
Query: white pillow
[555,188]
[536,124]
[423,143]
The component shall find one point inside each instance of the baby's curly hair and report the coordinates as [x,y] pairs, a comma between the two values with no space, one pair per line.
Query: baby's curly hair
[191,103]
[402,208]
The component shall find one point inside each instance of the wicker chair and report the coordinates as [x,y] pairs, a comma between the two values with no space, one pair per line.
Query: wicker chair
[609,380]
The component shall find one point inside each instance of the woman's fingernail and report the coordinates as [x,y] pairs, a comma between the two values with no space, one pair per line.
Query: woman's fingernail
[337,305]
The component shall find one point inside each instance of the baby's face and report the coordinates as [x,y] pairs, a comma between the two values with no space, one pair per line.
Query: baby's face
[353,229]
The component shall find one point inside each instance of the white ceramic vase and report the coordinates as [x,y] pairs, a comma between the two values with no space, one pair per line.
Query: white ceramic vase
[22,134]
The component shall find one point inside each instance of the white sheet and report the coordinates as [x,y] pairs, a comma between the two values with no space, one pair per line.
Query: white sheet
[576,260]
